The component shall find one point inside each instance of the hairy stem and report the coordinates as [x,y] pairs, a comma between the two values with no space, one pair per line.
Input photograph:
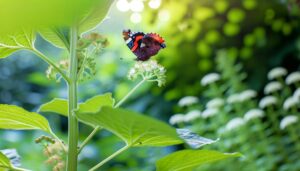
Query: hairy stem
[72,120]
[110,157]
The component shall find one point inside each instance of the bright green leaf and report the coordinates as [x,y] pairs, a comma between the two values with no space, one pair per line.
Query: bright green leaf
[134,128]
[14,117]
[60,106]
[56,105]
[4,161]
[187,160]
[55,37]
[11,43]
[94,16]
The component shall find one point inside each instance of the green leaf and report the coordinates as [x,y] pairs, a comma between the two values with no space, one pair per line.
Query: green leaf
[14,117]
[4,162]
[55,36]
[11,43]
[93,104]
[134,128]
[94,16]
[187,160]
[59,106]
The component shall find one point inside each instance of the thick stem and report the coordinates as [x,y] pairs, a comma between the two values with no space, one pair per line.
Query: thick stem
[72,120]
[110,157]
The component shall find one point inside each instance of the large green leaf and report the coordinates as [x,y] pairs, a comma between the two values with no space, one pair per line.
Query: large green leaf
[21,39]
[94,16]
[14,117]
[187,160]
[55,36]
[4,162]
[93,104]
[134,128]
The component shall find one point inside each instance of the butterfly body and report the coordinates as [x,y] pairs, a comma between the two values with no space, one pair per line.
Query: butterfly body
[144,46]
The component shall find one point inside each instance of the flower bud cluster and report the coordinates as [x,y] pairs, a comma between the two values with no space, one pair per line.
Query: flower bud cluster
[149,71]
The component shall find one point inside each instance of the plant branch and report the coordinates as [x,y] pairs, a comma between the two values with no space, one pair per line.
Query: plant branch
[88,138]
[110,157]
[129,94]
[50,62]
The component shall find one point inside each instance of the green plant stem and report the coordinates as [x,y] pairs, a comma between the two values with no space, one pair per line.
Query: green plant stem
[110,157]
[72,120]
[50,62]
[129,94]
[96,129]
[88,138]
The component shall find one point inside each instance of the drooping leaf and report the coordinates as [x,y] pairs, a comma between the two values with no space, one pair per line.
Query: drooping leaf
[55,36]
[14,117]
[60,106]
[192,139]
[134,128]
[95,16]
[21,39]
[187,160]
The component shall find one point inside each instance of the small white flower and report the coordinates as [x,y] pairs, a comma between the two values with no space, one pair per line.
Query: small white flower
[277,72]
[192,115]
[234,98]
[247,95]
[267,101]
[288,120]
[209,112]
[254,113]
[234,124]
[293,78]
[290,102]
[297,94]
[210,78]
[177,118]
[272,87]
[187,101]
[215,103]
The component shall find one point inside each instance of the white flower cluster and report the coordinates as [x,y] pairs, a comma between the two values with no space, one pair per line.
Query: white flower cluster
[148,70]
[188,101]
[181,118]
[288,120]
[290,102]
[272,87]
[210,78]
[297,94]
[215,103]
[267,101]
[253,114]
[277,73]
[234,124]
[209,112]
[292,78]
[241,97]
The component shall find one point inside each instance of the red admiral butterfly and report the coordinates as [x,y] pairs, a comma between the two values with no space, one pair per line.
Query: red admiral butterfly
[143,45]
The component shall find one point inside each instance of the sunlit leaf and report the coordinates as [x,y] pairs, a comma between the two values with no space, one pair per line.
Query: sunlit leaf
[11,43]
[94,16]
[134,128]
[60,106]
[14,117]
[55,36]
[187,160]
